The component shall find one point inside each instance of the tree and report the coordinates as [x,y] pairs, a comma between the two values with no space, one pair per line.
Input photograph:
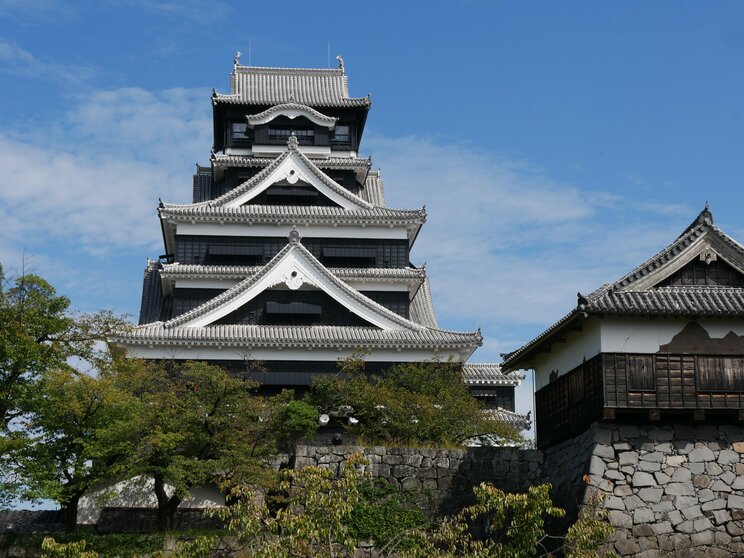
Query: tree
[79,435]
[199,425]
[412,403]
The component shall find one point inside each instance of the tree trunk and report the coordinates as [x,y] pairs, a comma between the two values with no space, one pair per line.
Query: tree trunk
[70,513]
[166,506]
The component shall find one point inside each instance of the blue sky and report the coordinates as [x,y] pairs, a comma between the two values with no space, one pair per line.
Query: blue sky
[555,144]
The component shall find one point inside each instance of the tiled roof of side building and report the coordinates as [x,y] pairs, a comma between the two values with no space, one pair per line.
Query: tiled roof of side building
[152,294]
[515,420]
[638,292]
[489,374]
[315,87]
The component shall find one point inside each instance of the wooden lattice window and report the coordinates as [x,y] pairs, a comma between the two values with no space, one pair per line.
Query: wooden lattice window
[641,372]
[717,373]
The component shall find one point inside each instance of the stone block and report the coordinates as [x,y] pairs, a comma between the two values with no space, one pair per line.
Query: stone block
[721,516]
[683,447]
[702,524]
[603,435]
[643,530]
[410,484]
[643,515]
[681,474]
[664,448]
[697,468]
[662,528]
[706,432]
[701,481]
[661,478]
[735,502]
[633,502]
[717,504]
[623,491]
[393,460]
[627,547]
[692,512]
[722,538]
[682,502]
[679,489]
[414,460]
[734,529]
[717,552]
[728,477]
[627,458]
[648,466]
[705,495]
[680,541]
[651,495]
[654,457]
[738,447]
[675,517]
[641,479]
[619,518]
[614,475]
[625,446]
[727,457]
[685,527]
[429,485]
[604,451]
[701,454]
[676,460]
[684,432]
[665,506]
[713,469]
[738,483]
[614,503]
[648,553]
[702,538]
[720,486]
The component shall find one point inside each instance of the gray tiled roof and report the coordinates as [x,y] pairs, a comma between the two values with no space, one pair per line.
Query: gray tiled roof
[670,301]
[152,294]
[374,191]
[293,215]
[515,420]
[624,297]
[257,180]
[315,87]
[489,374]
[241,272]
[350,163]
[247,283]
[277,109]
[352,337]
[422,307]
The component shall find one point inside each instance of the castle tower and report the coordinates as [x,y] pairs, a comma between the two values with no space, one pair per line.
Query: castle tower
[288,254]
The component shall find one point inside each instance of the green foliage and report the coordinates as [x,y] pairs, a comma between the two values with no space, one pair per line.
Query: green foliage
[411,404]
[313,524]
[53,549]
[585,537]
[294,421]
[383,514]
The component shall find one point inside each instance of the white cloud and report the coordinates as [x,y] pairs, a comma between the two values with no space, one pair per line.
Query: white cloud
[15,60]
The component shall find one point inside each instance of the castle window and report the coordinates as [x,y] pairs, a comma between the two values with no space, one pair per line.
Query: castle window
[238,132]
[280,134]
[235,254]
[641,374]
[342,134]
[720,373]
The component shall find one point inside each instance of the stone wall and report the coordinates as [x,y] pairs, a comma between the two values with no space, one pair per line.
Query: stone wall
[671,490]
[442,479]
[675,490]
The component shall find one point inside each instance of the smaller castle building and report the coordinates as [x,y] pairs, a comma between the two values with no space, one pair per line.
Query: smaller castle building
[664,342]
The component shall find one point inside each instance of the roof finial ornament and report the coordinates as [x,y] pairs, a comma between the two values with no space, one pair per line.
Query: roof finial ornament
[705,216]
[236,60]
[292,142]
[341,63]
[294,235]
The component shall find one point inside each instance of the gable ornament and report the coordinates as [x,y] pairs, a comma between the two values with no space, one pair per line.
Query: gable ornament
[708,255]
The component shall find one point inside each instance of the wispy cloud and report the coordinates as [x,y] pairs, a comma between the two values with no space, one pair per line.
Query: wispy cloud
[15,60]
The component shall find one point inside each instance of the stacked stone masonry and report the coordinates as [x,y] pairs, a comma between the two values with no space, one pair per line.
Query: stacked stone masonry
[674,490]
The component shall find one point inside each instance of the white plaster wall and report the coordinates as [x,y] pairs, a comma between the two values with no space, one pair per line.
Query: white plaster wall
[138,492]
[638,335]
[564,357]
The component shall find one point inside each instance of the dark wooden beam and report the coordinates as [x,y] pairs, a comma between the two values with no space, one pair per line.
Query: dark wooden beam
[609,413]
[654,415]
[698,415]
